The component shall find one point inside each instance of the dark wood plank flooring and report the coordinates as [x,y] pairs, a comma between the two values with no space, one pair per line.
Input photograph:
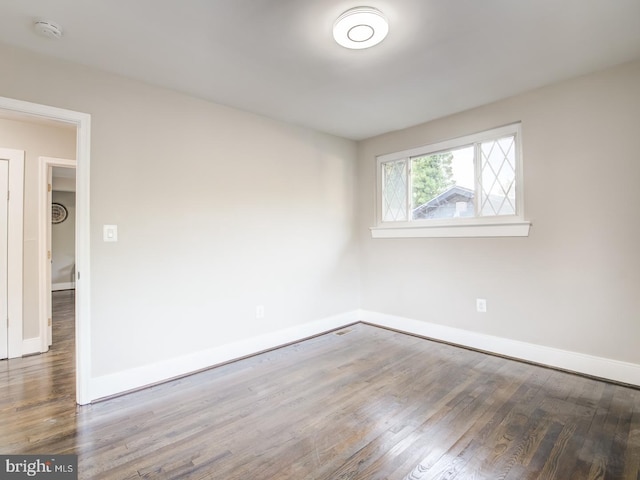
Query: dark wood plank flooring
[362,403]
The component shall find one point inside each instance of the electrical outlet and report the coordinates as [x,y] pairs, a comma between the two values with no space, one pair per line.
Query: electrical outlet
[481,305]
[259,311]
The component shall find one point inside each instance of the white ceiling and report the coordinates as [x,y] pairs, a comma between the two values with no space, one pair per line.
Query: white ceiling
[278,57]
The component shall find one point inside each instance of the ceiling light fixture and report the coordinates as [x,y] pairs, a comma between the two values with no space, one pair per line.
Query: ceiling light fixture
[360,27]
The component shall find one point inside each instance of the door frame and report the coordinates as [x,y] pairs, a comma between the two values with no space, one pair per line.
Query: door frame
[44,234]
[82,121]
[4,257]
[15,238]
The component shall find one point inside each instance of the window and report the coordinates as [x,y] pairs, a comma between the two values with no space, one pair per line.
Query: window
[469,186]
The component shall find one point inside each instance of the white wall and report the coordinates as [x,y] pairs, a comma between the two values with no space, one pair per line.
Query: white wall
[218,211]
[36,140]
[573,284]
[63,243]
[63,184]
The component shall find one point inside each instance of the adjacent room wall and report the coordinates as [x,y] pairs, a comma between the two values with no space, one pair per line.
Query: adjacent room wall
[573,283]
[63,243]
[36,140]
[218,211]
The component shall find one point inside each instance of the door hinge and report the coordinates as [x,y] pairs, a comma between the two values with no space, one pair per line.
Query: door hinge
[48,254]
[48,187]
[49,322]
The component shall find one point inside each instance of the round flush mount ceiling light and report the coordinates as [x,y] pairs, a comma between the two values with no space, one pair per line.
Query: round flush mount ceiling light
[48,29]
[360,27]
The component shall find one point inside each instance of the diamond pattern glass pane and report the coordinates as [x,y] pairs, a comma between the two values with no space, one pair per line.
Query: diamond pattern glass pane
[498,177]
[394,191]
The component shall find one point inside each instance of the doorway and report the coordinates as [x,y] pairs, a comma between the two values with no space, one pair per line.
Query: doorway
[57,220]
[82,123]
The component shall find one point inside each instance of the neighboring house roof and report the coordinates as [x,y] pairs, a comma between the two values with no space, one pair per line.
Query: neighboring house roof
[445,196]
[456,193]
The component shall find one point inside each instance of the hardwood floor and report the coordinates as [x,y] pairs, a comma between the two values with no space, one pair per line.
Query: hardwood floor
[361,403]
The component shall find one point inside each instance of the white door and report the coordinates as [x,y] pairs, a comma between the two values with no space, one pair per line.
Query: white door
[4,257]
[11,213]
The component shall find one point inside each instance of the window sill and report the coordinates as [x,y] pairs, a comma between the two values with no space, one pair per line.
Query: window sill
[513,229]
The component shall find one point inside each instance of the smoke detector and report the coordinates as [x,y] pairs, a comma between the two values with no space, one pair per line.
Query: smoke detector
[48,29]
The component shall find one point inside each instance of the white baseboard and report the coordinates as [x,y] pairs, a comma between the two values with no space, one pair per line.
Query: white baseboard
[31,346]
[115,383]
[605,368]
[120,382]
[62,286]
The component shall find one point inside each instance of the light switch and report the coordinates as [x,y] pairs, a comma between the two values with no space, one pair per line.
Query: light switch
[110,233]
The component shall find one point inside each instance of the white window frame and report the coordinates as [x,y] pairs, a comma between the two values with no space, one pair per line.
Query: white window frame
[478,226]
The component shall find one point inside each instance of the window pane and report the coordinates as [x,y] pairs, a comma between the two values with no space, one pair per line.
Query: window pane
[442,184]
[498,178]
[394,191]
